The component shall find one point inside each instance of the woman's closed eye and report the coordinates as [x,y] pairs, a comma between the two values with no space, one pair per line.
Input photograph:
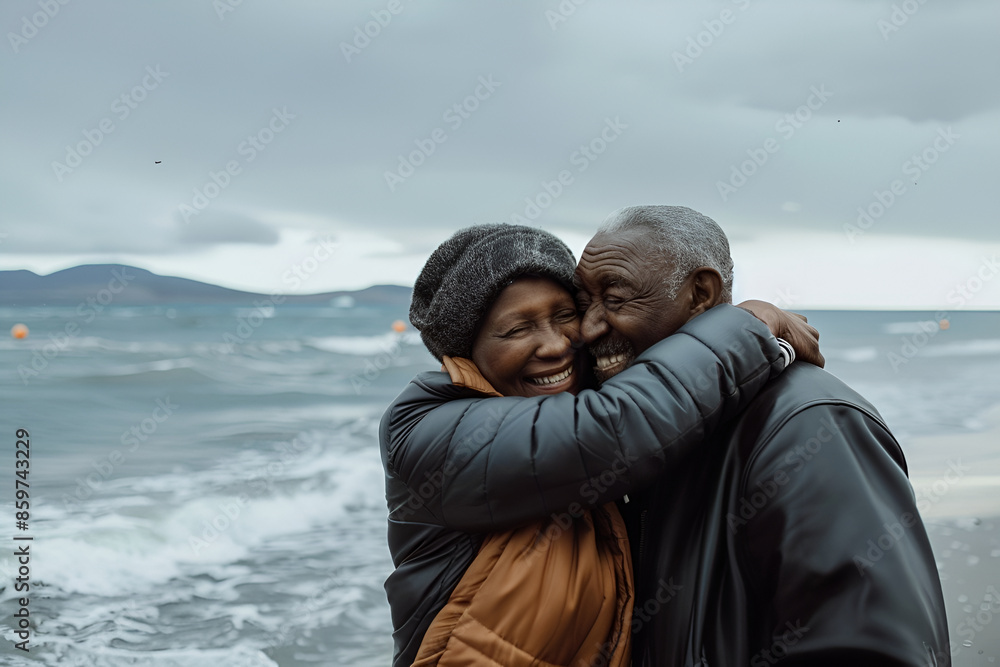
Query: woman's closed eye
[515,331]
[567,315]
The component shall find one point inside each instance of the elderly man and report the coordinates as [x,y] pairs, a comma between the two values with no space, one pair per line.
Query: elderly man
[797,541]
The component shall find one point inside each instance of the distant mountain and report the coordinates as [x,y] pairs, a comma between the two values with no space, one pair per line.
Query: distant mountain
[128,285]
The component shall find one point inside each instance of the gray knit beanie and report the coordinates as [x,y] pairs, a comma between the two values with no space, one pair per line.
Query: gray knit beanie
[466,274]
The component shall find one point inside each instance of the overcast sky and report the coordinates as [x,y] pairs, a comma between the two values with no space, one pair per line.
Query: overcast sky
[356,154]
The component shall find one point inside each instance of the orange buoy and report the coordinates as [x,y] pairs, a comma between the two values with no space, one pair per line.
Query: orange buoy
[19,331]
[944,324]
[399,326]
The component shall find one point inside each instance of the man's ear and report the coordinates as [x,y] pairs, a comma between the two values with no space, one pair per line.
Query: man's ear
[705,290]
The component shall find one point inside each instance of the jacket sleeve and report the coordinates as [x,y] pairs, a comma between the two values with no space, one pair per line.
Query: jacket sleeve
[481,464]
[836,547]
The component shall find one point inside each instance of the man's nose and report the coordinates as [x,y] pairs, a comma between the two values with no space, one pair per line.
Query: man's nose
[593,325]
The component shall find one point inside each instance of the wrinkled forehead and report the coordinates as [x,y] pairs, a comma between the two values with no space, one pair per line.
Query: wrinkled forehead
[614,257]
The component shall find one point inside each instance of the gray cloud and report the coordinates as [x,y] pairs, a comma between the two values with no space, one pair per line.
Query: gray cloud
[686,129]
[223,227]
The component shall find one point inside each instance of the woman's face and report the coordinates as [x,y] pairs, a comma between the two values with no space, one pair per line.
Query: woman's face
[529,341]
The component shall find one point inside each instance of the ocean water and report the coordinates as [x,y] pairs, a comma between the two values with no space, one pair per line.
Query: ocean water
[205,483]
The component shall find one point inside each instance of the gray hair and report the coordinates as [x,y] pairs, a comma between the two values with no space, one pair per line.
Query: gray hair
[683,241]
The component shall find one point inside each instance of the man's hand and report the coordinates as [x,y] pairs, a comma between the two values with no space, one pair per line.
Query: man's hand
[791,326]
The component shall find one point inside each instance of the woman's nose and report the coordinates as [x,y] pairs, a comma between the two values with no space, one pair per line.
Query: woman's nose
[557,341]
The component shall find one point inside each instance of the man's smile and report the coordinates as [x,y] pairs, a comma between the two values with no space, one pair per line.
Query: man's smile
[606,362]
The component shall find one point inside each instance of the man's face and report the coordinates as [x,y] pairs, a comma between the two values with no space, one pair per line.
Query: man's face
[624,304]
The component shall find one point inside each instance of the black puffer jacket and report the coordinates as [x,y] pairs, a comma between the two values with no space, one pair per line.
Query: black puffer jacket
[458,465]
[792,540]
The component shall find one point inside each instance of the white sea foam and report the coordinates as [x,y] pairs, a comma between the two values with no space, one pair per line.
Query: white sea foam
[280,346]
[79,343]
[149,367]
[128,311]
[854,355]
[364,345]
[265,312]
[967,348]
[387,343]
[74,655]
[134,544]
[47,341]
[925,326]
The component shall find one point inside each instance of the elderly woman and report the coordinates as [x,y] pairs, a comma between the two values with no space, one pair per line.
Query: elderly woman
[508,546]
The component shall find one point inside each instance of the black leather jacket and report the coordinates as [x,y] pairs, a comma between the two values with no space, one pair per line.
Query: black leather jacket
[459,465]
[792,540]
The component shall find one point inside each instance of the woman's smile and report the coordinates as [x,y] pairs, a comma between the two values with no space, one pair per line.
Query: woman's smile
[555,382]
